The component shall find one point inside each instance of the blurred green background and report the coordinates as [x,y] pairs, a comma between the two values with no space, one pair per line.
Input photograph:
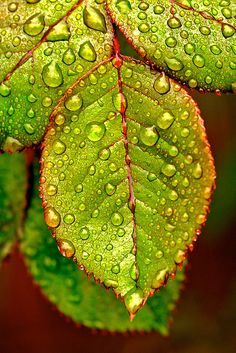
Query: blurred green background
[205,318]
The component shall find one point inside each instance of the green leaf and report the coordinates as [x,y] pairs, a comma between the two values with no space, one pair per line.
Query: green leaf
[80,299]
[45,47]
[13,184]
[127,177]
[193,41]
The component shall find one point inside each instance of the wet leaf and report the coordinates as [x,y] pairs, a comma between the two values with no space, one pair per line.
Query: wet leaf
[13,183]
[193,41]
[77,297]
[126,177]
[45,47]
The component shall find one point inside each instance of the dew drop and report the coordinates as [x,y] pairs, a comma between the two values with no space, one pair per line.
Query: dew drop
[110,189]
[148,135]
[95,131]
[197,171]
[117,219]
[198,60]
[34,25]
[74,103]
[227,30]
[66,247]
[151,176]
[51,189]
[87,51]
[174,22]
[160,278]
[162,84]
[52,75]
[94,19]
[59,33]
[174,64]
[168,169]
[123,6]
[69,218]
[133,300]
[84,233]
[69,57]
[52,217]
[115,269]
[5,91]
[165,120]
[59,147]
[29,129]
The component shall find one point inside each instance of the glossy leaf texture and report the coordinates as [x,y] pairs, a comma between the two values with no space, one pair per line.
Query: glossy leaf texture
[45,47]
[193,41]
[83,301]
[126,177]
[13,184]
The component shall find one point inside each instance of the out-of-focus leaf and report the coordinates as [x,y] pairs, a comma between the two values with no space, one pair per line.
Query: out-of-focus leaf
[13,184]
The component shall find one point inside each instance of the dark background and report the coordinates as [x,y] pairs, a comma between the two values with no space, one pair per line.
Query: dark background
[205,318]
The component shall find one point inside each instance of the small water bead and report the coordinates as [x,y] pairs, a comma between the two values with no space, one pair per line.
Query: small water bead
[184,217]
[227,30]
[179,257]
[105,154]
[59,147]
[95,131]
[13,6]
[189,48]
[121,232]
[74,103]
[119,101]
[148,135]
[143,27]
[174,64]
[165,120]
[197,171]
[123,6]
[162,84]
[159,254]
[59,119]
[151,177]
[92,170]
[66,247]
[133,300]
[47,102]
[98,258]
[215,49]
[87,51]
[52,75]
[52,217]
[115,269]
[69,218]
[227,13]
[173,196]
[69,57]
[34,25]
[59,33]
[29,129]
[110,189]
[5,91]
[171,42]
[201,218]
[94,19]
[84,233]
[117,219]
[205,30]
[160,278]
[158,9]
[168,169]
[198,60]
[174,23]
[173,151]
[51,189]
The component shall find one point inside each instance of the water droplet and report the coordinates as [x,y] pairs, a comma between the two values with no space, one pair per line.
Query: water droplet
[148,135]
[174,64]
[66,247]
[79,188]
[115,269]
[69,57]
[5,91]
[59,32]
[119,101]
[29,129]
[13,6]
[171,42]
[174,22]
[117,219]
[158,9]
[215,49]
[159,254]
[98,258]
[34,25]
[52,75]
[110,189]
[110,283]
[84,233]
[165,120]
[197,171]
[87,51]
[168,169]
[189,48]
[52,217]
[198,60]
[162,84]
[95,131]
[12,145]
[94,19]
[160,278]
[74,103]
[69,218]
[59,147]
[51,189]
[151,176]
[227,30]
[134,300]
[121,232]
[123,6]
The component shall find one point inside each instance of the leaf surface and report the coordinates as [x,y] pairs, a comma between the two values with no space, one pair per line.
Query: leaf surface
[77,297]
[193,41]
[126,178]
[45,48]
[13,184]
